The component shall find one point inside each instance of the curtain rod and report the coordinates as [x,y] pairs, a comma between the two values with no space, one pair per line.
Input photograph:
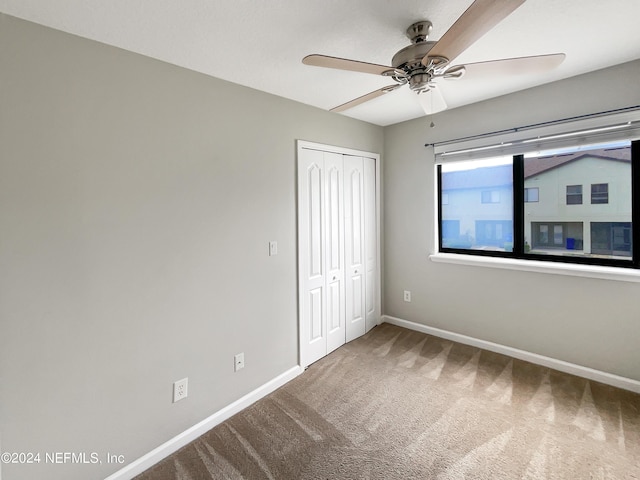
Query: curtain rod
[536,125]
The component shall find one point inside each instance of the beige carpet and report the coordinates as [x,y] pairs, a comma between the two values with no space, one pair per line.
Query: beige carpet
[397,404]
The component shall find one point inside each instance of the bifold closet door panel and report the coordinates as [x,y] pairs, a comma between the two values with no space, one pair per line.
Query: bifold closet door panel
[372,288]
[338,267]
[311,193]
[354,246]
[334,248]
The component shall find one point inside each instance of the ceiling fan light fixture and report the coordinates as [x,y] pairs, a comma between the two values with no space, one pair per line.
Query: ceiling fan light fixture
[419,81]
[431,100]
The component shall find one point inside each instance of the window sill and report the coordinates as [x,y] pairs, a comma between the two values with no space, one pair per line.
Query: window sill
[553,268]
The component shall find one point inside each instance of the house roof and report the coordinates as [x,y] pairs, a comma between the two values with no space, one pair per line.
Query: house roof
[537,165]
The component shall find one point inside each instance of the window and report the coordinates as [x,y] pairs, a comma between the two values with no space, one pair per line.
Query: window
[611,238]
[599,193]
[491,196]
[542,234]
[559,228]
[478,220]
[574,194]
[565,235]
[531,194]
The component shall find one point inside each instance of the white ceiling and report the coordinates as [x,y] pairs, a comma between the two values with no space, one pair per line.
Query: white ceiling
[260,43]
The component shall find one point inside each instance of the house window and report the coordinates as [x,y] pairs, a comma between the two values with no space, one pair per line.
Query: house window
[556,238]
[599,193]
[542,235]
[479,220]
[491,196]
[611,238]
[574,194]
[445,199]
[531,194]
[495,234]
[523,227]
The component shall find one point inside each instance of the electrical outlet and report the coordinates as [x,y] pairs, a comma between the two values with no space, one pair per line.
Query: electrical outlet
[238,362]
[273,248]
[180,389]
[407,296]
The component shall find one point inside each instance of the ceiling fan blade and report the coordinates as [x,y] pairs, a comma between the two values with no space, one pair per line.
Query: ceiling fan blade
[365,98]
[346,64]
[432,101]
[515,66]
[477,20]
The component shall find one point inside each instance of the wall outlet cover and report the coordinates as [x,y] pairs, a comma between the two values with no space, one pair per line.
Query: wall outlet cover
[180,389]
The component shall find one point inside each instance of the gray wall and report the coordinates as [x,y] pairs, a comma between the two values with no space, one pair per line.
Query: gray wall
[593,323]
[137,200]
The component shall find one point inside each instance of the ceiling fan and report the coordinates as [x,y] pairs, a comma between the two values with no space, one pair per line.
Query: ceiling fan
[421,63]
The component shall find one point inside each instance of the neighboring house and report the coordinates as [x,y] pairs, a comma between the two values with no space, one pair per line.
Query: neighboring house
[477,207]
[577,201]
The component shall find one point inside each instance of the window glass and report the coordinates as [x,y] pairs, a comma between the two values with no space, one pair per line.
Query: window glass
[491,196]
[574,194]
[478,214]
[531,194]
[599,193]
[571,205]
[560,223]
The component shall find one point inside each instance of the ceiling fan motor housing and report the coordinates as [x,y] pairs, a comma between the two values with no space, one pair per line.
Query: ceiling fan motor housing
[411,55]
[409,61]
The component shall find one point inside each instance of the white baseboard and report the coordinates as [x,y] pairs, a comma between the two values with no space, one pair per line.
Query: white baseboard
[148,460]
[585,372]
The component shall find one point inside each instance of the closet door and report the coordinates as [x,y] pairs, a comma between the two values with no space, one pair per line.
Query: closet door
[354,215]
[334,249]
[338,271]
[311,247]
[372,286]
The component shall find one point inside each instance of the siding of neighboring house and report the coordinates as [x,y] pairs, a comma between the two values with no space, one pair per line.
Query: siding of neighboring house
[576,226]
